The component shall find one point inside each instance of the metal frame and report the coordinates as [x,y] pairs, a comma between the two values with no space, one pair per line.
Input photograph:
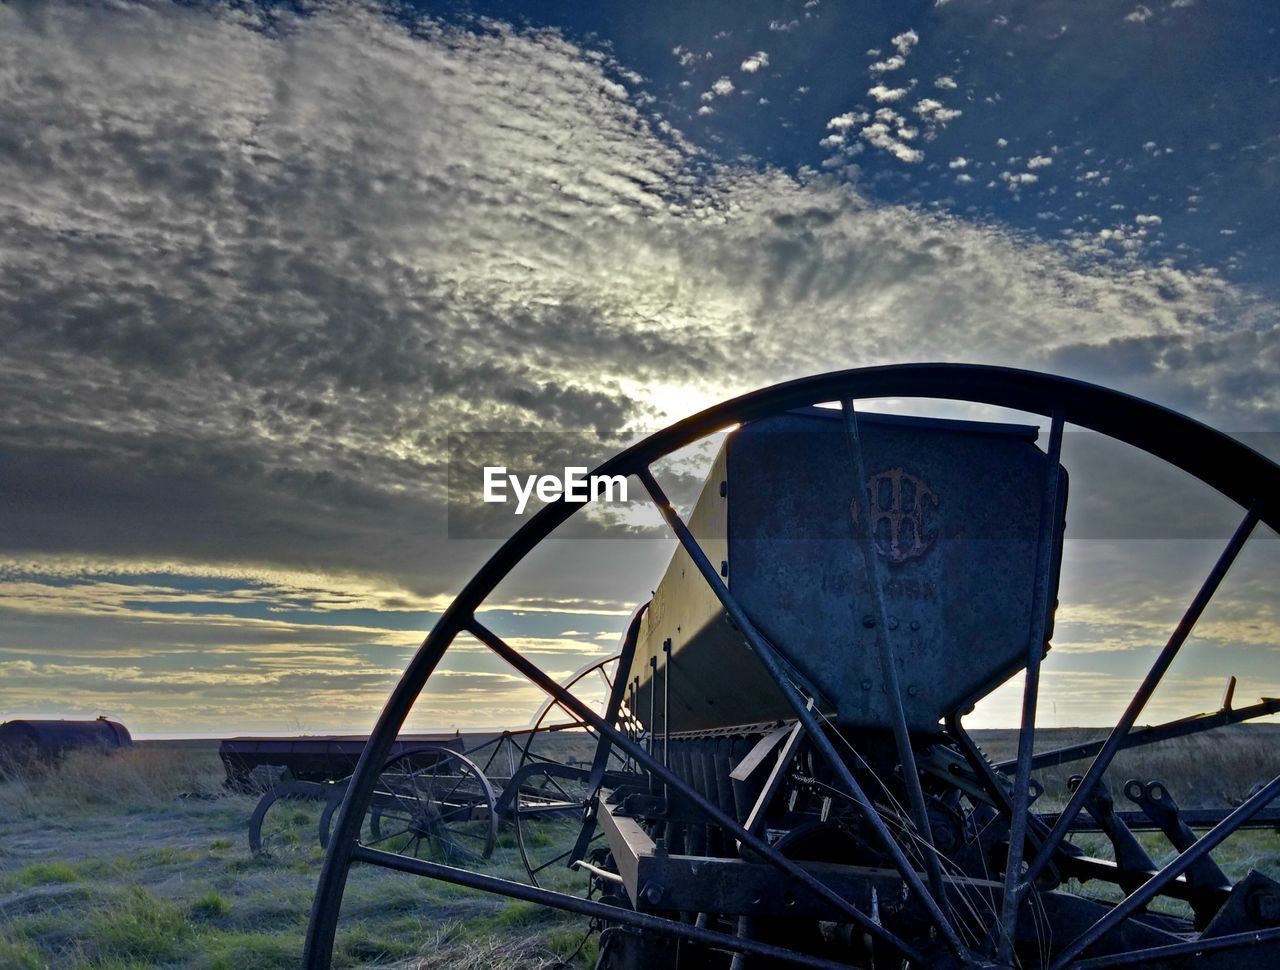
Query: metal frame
[1225,464]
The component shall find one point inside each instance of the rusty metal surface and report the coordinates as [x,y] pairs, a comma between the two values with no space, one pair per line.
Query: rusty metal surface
[314,757]
[954,508]
[22,740]
[715,682]
[657,880]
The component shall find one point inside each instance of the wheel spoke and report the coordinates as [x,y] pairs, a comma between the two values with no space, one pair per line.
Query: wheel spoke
[1041,610]
[385,838]
[888,660]
[554,808]
[551,862]
[407,819]
[556,785]
[1115,741]
[462,778]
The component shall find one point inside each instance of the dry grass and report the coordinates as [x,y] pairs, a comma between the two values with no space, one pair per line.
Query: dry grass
[1215,769]
[137,777]
[452,946]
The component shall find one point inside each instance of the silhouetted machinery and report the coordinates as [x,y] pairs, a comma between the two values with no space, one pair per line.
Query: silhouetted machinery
[781,773]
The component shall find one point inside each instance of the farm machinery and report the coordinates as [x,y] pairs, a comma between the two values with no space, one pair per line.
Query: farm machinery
[779,770]
[434,795]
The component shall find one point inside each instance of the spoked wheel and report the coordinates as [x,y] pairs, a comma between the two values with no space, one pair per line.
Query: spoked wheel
[922,880]
[433,803]
[553,785]
[290,820]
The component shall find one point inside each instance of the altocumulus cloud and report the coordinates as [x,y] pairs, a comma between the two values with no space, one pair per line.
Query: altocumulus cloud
[251,287]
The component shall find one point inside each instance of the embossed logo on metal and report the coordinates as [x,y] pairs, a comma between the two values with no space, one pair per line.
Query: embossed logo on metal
[897,503]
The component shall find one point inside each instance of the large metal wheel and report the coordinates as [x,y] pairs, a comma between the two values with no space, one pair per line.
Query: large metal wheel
[966,922]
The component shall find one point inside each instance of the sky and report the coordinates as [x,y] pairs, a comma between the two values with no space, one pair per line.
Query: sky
[259,262]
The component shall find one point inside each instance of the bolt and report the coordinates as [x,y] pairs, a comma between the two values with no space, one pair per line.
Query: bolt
[866,684]
[653,893]
[913,690]
[915,624]
[869,621]
[893,623]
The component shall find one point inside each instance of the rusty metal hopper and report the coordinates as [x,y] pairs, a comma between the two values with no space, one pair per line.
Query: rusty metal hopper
[955,511]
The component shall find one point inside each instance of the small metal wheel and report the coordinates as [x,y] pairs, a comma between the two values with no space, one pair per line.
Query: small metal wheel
[553,786]
[288,819]
[433,803]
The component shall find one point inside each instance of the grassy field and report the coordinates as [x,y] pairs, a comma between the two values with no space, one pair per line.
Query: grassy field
[141,860]
[1214,769]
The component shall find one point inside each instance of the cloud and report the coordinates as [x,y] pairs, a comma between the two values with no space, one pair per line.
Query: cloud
[847,120]
[883,137]
[945,83]
[248,296]
[934,112]
[1139,15]
[687,58]
[959,162]
[1016,180]
[1039,161]
[888,64]
[884,94]
[904,41]
[755,62]
[260,364]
